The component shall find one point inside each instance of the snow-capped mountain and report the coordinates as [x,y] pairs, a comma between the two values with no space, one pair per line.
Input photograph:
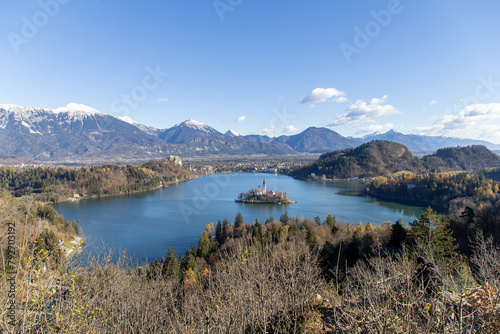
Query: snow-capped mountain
[77,130]
[148,129]
[81,131]
[186,132]
[70,131]
[232,133]
[46,121]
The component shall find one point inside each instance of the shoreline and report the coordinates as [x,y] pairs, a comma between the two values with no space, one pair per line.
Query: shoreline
[71,199]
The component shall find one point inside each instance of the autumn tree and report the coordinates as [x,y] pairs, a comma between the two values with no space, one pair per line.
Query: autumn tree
[189,261]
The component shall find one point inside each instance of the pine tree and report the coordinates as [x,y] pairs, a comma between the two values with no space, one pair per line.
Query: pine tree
[311,237]
[204,246]
[398,234]
[431,235]
[238,221]
[257,232]
[284,217]
[469,216]
[172,266]
[332,222]
[218,232]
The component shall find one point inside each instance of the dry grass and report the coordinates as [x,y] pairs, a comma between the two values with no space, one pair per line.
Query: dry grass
[251,288]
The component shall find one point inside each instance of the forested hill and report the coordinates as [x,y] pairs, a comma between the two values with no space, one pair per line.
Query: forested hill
[471,158]
[371,159]
[384,158]
[54,184]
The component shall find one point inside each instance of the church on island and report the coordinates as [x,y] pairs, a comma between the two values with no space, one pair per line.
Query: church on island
[263,195]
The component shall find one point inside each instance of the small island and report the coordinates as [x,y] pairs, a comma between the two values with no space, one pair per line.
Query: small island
[264,196]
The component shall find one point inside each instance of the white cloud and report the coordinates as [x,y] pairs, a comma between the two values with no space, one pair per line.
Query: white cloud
[281,98]
[241,119]
[323,95]
[290,129]
[276,130]
[365,111]
[163,99]
[340,99]
[268,130]
[475,121]
[378,101]
[433,102]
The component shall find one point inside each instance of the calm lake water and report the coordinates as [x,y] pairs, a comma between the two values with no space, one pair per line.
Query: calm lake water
[147,224]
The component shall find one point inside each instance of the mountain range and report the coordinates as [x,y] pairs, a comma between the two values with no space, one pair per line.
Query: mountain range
[79,131]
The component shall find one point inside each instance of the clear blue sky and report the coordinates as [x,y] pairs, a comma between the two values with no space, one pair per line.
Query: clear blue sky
[269,67]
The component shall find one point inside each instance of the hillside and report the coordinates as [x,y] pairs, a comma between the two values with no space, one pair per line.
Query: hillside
[471,158]
[317,140]
[384,158]
[367,160]
[287,276]
[54,184]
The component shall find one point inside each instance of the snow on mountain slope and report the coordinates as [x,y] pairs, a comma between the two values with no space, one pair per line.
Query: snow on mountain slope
[73,130]
[233,133]
[187,131]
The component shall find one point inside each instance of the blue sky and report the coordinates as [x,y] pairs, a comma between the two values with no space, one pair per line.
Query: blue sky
[269,67]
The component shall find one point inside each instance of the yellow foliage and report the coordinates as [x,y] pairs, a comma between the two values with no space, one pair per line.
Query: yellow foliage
[360,227]
[205,273]
[189,278]
[369,227]
[146,170]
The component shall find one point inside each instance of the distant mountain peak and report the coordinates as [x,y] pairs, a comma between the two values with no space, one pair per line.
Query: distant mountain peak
[9,106]
[71,108]
[75,108]
[233,133]
[12,108]
[187,131]
[127,119]
[194,124]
